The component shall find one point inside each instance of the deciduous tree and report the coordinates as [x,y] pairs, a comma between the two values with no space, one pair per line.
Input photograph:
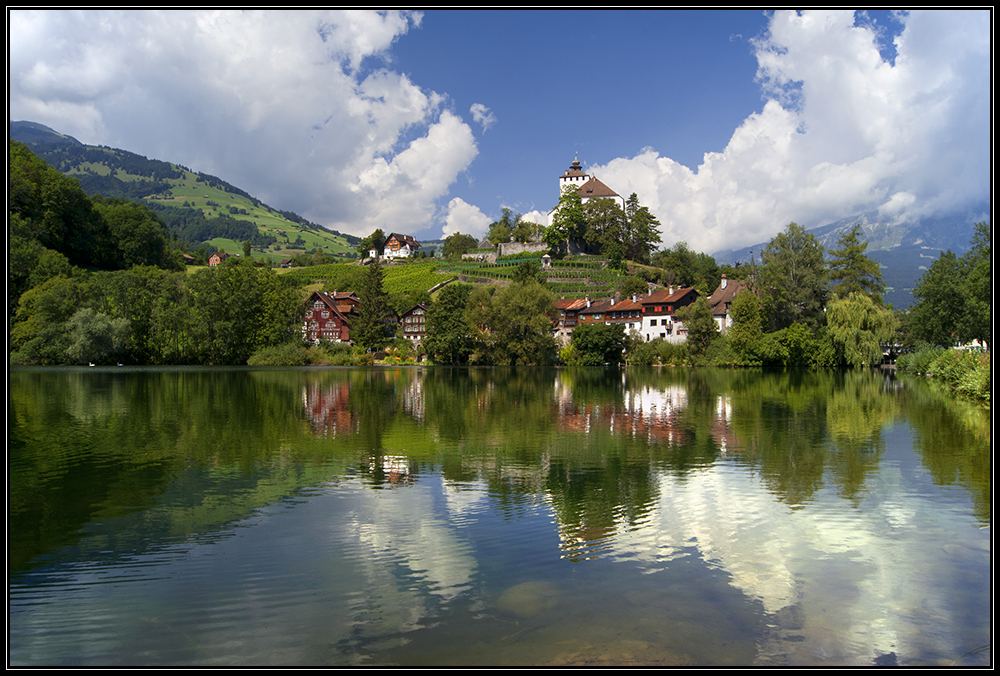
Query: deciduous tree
[701,326]
[596,344]
[457,244]
[447,328]
[793,278]
[860,327]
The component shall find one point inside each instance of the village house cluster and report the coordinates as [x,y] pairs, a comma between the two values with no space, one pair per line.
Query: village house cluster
[651,316]
[328,316]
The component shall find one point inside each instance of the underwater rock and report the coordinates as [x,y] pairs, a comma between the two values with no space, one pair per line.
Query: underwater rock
[529,598]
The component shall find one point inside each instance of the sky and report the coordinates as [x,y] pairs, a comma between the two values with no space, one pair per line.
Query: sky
[727,124]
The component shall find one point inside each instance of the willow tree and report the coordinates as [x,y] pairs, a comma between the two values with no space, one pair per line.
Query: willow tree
[859,327]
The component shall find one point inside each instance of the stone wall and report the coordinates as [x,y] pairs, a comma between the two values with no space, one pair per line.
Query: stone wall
[511,248]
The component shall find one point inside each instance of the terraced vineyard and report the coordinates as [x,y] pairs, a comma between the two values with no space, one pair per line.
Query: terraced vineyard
[571,278]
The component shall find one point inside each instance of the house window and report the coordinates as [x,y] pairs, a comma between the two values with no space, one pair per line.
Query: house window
[326,314]
[309,314]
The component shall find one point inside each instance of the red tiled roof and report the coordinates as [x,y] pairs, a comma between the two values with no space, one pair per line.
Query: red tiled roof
[594,188]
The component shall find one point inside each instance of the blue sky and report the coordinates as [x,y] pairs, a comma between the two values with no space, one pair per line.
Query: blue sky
[727,124]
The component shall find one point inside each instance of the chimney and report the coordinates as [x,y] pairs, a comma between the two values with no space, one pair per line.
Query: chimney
[671,289]
[724,281]
[588,300]
[635,298]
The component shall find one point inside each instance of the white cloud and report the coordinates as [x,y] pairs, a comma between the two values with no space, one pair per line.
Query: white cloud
[483,115]
[293,106]
[536,216]
[465,218]
[842,131]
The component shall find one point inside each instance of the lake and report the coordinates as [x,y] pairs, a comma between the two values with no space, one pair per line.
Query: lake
[448,516]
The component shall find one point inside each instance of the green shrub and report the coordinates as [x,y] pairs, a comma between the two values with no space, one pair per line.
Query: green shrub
[720,353]
[289,354]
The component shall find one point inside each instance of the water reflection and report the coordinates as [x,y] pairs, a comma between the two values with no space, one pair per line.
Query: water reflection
[837,513]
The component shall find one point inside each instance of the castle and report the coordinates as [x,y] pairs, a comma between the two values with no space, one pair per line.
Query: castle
[587,186]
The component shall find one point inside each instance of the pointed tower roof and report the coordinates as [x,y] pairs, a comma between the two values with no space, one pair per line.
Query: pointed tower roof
[574,170]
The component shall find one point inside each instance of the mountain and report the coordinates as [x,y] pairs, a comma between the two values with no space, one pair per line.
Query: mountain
[199,208]
[904,250]
[33,133]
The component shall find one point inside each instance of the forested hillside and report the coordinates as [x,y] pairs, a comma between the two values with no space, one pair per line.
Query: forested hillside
[204,212]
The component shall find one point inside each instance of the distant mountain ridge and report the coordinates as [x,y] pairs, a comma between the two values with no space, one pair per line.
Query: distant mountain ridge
[903,250]
[33,133]
[198,207]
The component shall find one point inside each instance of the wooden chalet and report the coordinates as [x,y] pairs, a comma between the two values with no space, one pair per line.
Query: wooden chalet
[328,316]
[413,323]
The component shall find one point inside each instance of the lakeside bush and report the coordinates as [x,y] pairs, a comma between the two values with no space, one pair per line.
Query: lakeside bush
[967,373]
[289,354]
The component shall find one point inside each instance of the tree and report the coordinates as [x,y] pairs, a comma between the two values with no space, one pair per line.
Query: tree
[701,326]
[569,222]
[95,337]
[684,267]
[525,231]
[53,209]
[744,333]
[447,329]
[793,278]
[500,231]
[376,241]
[513,326]
[237,309]
[605,227]
[457,244]
[597,344]
[860,327]
[634,286]
[138,236]
[369,330]
[641,231]
[977,266]
[527,271]
[853,270]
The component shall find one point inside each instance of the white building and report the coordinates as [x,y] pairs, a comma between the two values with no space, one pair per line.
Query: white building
[400,246]
[587,186]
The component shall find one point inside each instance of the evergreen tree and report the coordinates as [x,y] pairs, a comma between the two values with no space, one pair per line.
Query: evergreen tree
[853,270]
[641,231]
[369,330]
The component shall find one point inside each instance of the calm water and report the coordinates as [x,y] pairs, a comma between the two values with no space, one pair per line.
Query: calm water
[494,517]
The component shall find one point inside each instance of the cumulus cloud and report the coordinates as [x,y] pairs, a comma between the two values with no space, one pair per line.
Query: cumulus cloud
[299,107]
[483,115]
[465,218]
[842,130]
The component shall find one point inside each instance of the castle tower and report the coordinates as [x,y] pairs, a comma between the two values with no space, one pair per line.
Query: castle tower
[573,176]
